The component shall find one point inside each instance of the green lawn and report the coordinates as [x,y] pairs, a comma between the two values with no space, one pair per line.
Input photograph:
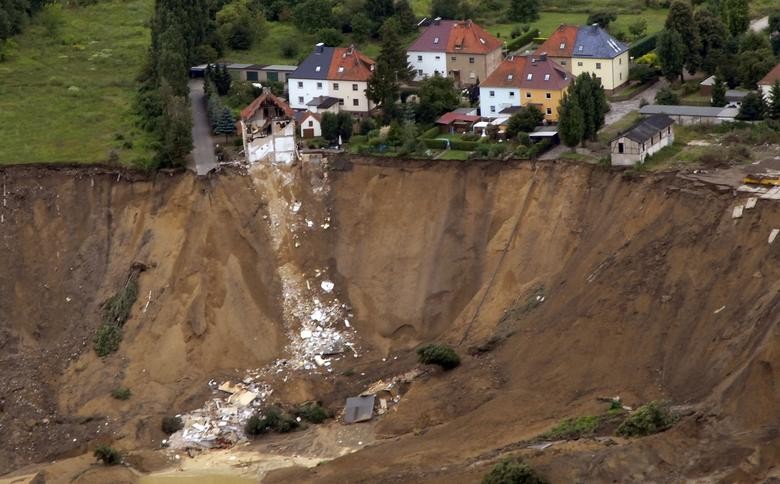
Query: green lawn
[455,155]
[69,99]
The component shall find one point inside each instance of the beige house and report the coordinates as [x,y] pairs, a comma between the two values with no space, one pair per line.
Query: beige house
[645,139]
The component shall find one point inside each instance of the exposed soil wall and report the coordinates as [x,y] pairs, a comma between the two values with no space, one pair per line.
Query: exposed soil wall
[585,283]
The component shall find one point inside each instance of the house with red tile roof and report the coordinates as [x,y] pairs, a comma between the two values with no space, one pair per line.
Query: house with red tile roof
[457,48]
[268,129]
[339,72]
[525,81]
[765,84]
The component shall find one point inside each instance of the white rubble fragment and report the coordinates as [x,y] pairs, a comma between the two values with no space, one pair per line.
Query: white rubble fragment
[719,309]
[309,223]
[327,286]
[295,207]
[773,235]
[346,323]
[305,333]
[751,203]
[737,213]
[319,360]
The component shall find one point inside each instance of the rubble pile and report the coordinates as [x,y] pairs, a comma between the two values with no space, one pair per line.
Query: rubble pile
[220,421]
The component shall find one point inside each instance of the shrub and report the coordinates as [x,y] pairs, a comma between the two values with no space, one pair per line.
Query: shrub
[117,308]
[573,428]
[512,471]
[463,145]
[172,424]
[433,354]
[642,73]
[290,48]
[313,413]
[274,419]
[648,419]
[522,40]
[430,133]
[121,393]
[108,455]
[367,125]
[666,96]
[107,339]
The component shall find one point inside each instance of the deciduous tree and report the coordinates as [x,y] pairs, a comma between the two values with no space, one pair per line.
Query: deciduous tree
[680,19]
[671,53]
[523,10]
[571,124]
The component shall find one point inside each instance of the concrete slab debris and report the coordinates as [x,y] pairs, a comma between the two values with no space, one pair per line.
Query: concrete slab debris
[773,235]
[327,286]
[737,213]
[359,409]
[751,203]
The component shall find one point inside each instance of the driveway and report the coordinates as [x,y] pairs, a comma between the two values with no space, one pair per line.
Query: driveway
[621,108]
[203,158]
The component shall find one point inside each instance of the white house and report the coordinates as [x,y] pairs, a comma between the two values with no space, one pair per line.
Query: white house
[502,88]
[765,84]
[336,72]
[646,138]
[268,129]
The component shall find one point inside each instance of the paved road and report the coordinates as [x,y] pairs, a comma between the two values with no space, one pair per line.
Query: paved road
[203,158]
[621,108]
[760,24]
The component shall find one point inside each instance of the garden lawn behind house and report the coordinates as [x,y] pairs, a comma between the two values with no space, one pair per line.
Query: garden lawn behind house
[69,98]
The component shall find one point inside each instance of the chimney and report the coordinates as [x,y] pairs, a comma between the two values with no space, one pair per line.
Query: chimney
[437,21]
[319,47]
[594,28]
[351,49]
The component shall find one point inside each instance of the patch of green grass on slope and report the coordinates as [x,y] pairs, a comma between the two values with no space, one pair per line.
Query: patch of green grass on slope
[69,98]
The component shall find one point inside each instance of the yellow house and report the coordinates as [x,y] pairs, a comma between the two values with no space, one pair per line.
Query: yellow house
[543,84]
[589,49]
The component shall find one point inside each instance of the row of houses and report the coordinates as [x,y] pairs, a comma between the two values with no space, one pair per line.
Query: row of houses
[470,55]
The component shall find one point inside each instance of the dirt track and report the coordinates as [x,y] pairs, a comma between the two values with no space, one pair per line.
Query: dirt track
[634,271]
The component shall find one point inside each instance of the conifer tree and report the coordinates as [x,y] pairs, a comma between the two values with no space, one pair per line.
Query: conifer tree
[226,123]
[773,107]
[718,93]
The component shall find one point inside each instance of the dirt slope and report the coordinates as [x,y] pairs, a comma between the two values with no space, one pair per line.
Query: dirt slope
[634,272]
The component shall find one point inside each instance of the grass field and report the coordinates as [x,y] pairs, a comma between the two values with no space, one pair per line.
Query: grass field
[68,99]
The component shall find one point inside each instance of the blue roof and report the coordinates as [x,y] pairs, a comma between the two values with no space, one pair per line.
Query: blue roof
[316,65]
[593,41]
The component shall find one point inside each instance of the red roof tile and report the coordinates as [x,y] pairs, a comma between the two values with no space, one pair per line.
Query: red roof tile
[452,117]
[508,74]
[261,100]
[564,35]
[349,64]
[455,36]
[542,73]
[771,77]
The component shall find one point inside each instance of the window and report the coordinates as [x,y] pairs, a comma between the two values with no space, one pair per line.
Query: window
[419,72]
[438,57]
[621,148]
[562,46]
[272,76]
[620,61]
[419,58]
[579,64]
[481,40]
[435,40]
[511,93]
[528,94]
[251,76]
[563,62]
[547,77]
[317,69]
[453,58]
[300,84]
[621,76]
[311,123]
[335,86]
[549,111]
[356,102]
[547,95]
[341,69]
[319,85]
[492,93]
[341,102]
[354,87]
[492,109]
[530,76]
[471,60]
[472,75]
[598,65]
[510,77]
[300,99]
[581,47]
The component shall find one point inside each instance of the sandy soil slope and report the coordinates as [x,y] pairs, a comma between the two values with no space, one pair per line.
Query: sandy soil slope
[651,291]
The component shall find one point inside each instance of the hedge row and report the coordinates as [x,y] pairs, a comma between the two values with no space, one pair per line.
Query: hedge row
[441,144]
[522,40]
[430,133]
[643,46]
[434,144]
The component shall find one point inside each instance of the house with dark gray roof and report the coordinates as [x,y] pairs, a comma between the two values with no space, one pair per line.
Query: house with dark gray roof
[644,139]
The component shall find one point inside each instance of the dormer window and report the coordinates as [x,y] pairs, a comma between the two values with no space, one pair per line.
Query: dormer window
[341,69]
[482,40]
[510,77]
[435,40]
[581,47]
[317,69]
[547,77]
[530,77]
[563,45]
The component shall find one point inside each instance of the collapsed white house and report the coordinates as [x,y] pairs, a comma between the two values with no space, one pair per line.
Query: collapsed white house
[268,129]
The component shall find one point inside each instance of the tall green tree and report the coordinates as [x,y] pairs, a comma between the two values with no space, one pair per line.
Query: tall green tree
[405,15]
[718,93]
[523,10]
[680,19]
[773,105]
[671,54]
[392,68]
[240,25]
[446,9]
[313,15]
[736,15]
[362,27]
[176,128]
[571,122]
[438,95]
[714,39]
